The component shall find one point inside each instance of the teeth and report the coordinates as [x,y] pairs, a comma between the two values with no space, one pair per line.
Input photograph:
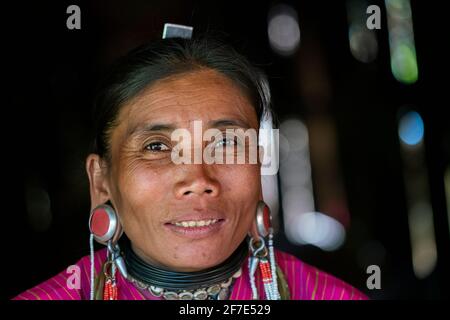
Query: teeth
[198,223]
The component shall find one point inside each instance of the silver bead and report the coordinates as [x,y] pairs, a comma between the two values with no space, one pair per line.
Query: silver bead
[213,290]
[157,292]
[223,294]
[238,273]
[140,285]
[170,295]
[200,295]
[186,295]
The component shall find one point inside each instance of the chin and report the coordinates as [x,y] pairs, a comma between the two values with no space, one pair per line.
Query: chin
[198,260]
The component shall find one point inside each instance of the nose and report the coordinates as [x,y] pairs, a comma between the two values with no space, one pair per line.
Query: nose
[197,180]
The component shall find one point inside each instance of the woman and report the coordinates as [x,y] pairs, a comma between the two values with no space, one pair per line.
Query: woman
[191,230]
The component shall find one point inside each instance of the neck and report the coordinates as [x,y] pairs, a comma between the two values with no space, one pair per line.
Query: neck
[153,274]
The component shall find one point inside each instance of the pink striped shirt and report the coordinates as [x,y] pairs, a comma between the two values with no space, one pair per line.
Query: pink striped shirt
[305,283]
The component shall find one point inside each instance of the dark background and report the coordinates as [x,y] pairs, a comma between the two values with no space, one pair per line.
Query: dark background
[49,78]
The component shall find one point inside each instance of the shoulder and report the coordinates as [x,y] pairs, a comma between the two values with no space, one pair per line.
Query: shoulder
[307,282]
[70,284]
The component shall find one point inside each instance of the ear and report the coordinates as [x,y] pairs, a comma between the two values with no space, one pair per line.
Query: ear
[98,183]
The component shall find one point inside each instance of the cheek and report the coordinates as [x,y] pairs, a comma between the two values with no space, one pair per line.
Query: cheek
[142,191]
[142,183]
[242,181]
[242,189]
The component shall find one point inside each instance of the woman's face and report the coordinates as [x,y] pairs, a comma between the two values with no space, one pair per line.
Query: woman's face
[164,207]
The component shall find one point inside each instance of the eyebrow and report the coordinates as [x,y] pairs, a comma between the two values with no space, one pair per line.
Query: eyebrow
[168,127]
[149,128]
[228,123]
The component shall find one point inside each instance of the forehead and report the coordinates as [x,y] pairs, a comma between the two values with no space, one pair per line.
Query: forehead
[201,95]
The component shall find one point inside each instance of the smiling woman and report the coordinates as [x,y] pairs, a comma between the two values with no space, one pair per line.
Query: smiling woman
[182,230]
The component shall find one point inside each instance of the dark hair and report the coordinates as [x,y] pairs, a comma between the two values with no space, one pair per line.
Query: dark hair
[163,58]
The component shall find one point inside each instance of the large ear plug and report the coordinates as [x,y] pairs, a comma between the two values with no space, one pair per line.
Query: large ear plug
[104,224]
[263,221]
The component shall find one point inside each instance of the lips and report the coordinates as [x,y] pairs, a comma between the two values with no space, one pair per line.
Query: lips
[196,226]
[195,223]
[196,218]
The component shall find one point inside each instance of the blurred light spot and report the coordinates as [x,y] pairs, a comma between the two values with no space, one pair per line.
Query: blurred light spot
[320,230]
[284,148]
[363,45]
[297,131]
[404,64]
[302,224]
[295,175]
[399,8]
[363,41]
[423,242]
[38,208]
[295,170]
[420,213]
[283,30]
[297,200]
[401,41]
[411,128]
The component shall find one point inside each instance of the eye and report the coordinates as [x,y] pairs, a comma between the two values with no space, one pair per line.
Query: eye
[156,147]
[225,142]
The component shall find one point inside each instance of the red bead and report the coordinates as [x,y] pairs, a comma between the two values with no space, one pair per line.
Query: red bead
[264,266]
